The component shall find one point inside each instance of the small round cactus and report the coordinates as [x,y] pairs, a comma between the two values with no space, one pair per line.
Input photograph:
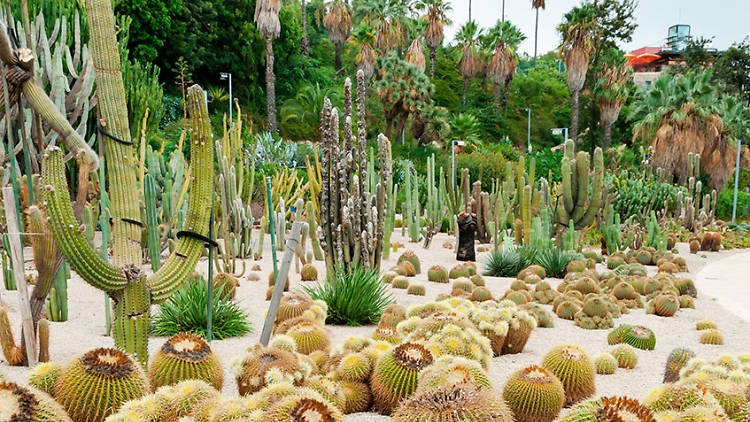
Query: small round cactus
[452,370]
[463,283]
[575,266]
[308,334]
[567,310]
[610,409]
[454,403]
[411,258]
[328,389]
[96,384]
[357,396]
[534,394]
[44,376]
[354,367]
[575,370]
[480,294]
[309,272]
[639,337]
[409,268]
[665,305]
[386,333]
[711,336]
[29,404]
[187,400]
[261,366]
[306,405]
[400,282]
[614,262]
[626,356]
[478,280]
[605,364]
[615,336]
[226,284]
[292,305]
[392,315]
[460,270]
[438,274]
[416,289]
[185,356]
[705,325]
[395,374]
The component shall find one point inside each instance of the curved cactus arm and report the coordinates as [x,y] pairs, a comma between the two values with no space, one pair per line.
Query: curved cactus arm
[81,256]
[597,189]
[182,262]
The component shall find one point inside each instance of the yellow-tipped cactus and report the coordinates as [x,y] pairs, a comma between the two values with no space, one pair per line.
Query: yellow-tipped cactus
[358,397]
[625,355]
[574,368]
[534,394]
[711,336]
[28,404]
[395,374]
[610,409]
[448,371]
[354,367]
[308,334]
[464,403]
[262,366]
[306,406]
[185,356]
[96,384]
[44,376]
[188,400]
[605,364]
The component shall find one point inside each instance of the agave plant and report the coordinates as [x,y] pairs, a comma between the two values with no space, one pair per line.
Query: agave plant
[555,260]
[465,126]
[503,262]
[269,149]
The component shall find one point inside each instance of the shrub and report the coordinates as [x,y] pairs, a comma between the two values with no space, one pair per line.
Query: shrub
[725,203]
[504,262]
[354,298]
[555,260]
[186,312]
[548,164]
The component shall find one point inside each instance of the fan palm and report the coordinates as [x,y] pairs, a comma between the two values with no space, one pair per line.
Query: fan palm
[611,89]
[302,113]
[682,114]
[537,4]
[386,17]
[465,126]
[505,37]
[338,23]
[269,27]
[467,37]
[414,54]
[436,19]
[363,38]
[578,29]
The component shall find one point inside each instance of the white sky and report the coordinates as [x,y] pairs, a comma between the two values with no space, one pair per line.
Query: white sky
[727,21]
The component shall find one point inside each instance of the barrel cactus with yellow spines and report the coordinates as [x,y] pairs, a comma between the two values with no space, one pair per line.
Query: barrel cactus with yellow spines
[451,370]
[328,389]
[309,273]
[574,368]
[293,305]
[308,334]
[412,258]
[605,364]
[626,356]
[44,376]
[438,274]
[262,366]
[458,341]
[395,374]
[610,409]
[678,397]
[705,325]
[639,337]
[567,309]
[185,356]
[226,284]
[357,396]
[189,399]
[307,405]
[534,394]
[464,403]
[354,367]
[665,305]
[711,336]
[96,384]
[29,404]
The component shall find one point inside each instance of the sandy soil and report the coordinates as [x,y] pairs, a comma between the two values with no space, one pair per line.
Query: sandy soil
[86,326]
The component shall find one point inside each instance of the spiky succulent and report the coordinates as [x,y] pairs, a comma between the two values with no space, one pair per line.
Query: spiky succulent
[438,274]
[95,384]
[424,310]
[454,403]
[385,333]
[679,397]
[609,409]
[615,336]
[21,404]
[262,366]
[306,406]
[410,257]
[357,396]
[328,388]
[44,376]
[226,284]
[480,294]
[574,368]
[308,272]
[705,325]
[416,289]
[605,364]
[543,317]
[392,315]
[185,356]
[665,305]
[354,367]
[409,269]
[626,356]
[453,370]
[567,309]
[395,374]
[534,394]
[675,362]
[400,282]
[711,336]
[193,399]
[639,337]
[308,334]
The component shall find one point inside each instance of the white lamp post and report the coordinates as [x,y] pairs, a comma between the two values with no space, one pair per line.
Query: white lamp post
[224,76]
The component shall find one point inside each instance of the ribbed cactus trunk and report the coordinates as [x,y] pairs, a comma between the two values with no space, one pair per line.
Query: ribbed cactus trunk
[122,160]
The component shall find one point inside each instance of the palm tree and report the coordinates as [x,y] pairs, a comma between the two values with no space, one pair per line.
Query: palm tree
[415,55]
[300,115]
[267,20]
[364,38]
[578,29]
[304,44]
[467,37]
[386,17]
[436,19]
[504,37]
[338,23]
[536,4]
[679,114]
[611,89]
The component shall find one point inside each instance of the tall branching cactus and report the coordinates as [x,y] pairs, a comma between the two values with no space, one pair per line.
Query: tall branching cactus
[581,196]
[411,210]
[352,220]
[435,209]
[132,293]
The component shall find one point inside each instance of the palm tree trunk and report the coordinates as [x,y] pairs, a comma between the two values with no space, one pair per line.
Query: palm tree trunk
[433,55]
[536,34]
[496,89]
[303,44]
[469,9]
[337,49]
[574,117]
[270,87]
[466,90]
[607,135]
[507,93]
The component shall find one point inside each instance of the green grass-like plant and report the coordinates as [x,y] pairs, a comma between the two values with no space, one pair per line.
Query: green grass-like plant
[186,311]
[555,260]
[504,262]
[355,298]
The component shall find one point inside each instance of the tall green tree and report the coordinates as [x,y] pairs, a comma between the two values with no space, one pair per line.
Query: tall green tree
[338,23]
[578,31]
[269,27]
[436,19]
[502,66]
[732,69]
[387,18]
[467,37]
[611,89]
[363,37]
[536,5]
[155,20]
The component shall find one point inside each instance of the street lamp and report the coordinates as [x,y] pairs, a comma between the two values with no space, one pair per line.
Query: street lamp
[453,161]
[528,131]
[559,131]
[224,76]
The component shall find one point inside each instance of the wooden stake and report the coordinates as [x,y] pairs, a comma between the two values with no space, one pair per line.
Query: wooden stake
[16,254]
[278,288]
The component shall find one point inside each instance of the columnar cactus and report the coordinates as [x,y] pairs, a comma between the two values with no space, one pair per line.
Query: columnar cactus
[436,209]
[351,218]
[411,211]
[582,197]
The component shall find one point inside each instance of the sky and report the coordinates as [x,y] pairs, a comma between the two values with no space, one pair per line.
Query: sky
[727,21]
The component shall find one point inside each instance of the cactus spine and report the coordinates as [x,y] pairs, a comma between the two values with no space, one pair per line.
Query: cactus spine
[582,197]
